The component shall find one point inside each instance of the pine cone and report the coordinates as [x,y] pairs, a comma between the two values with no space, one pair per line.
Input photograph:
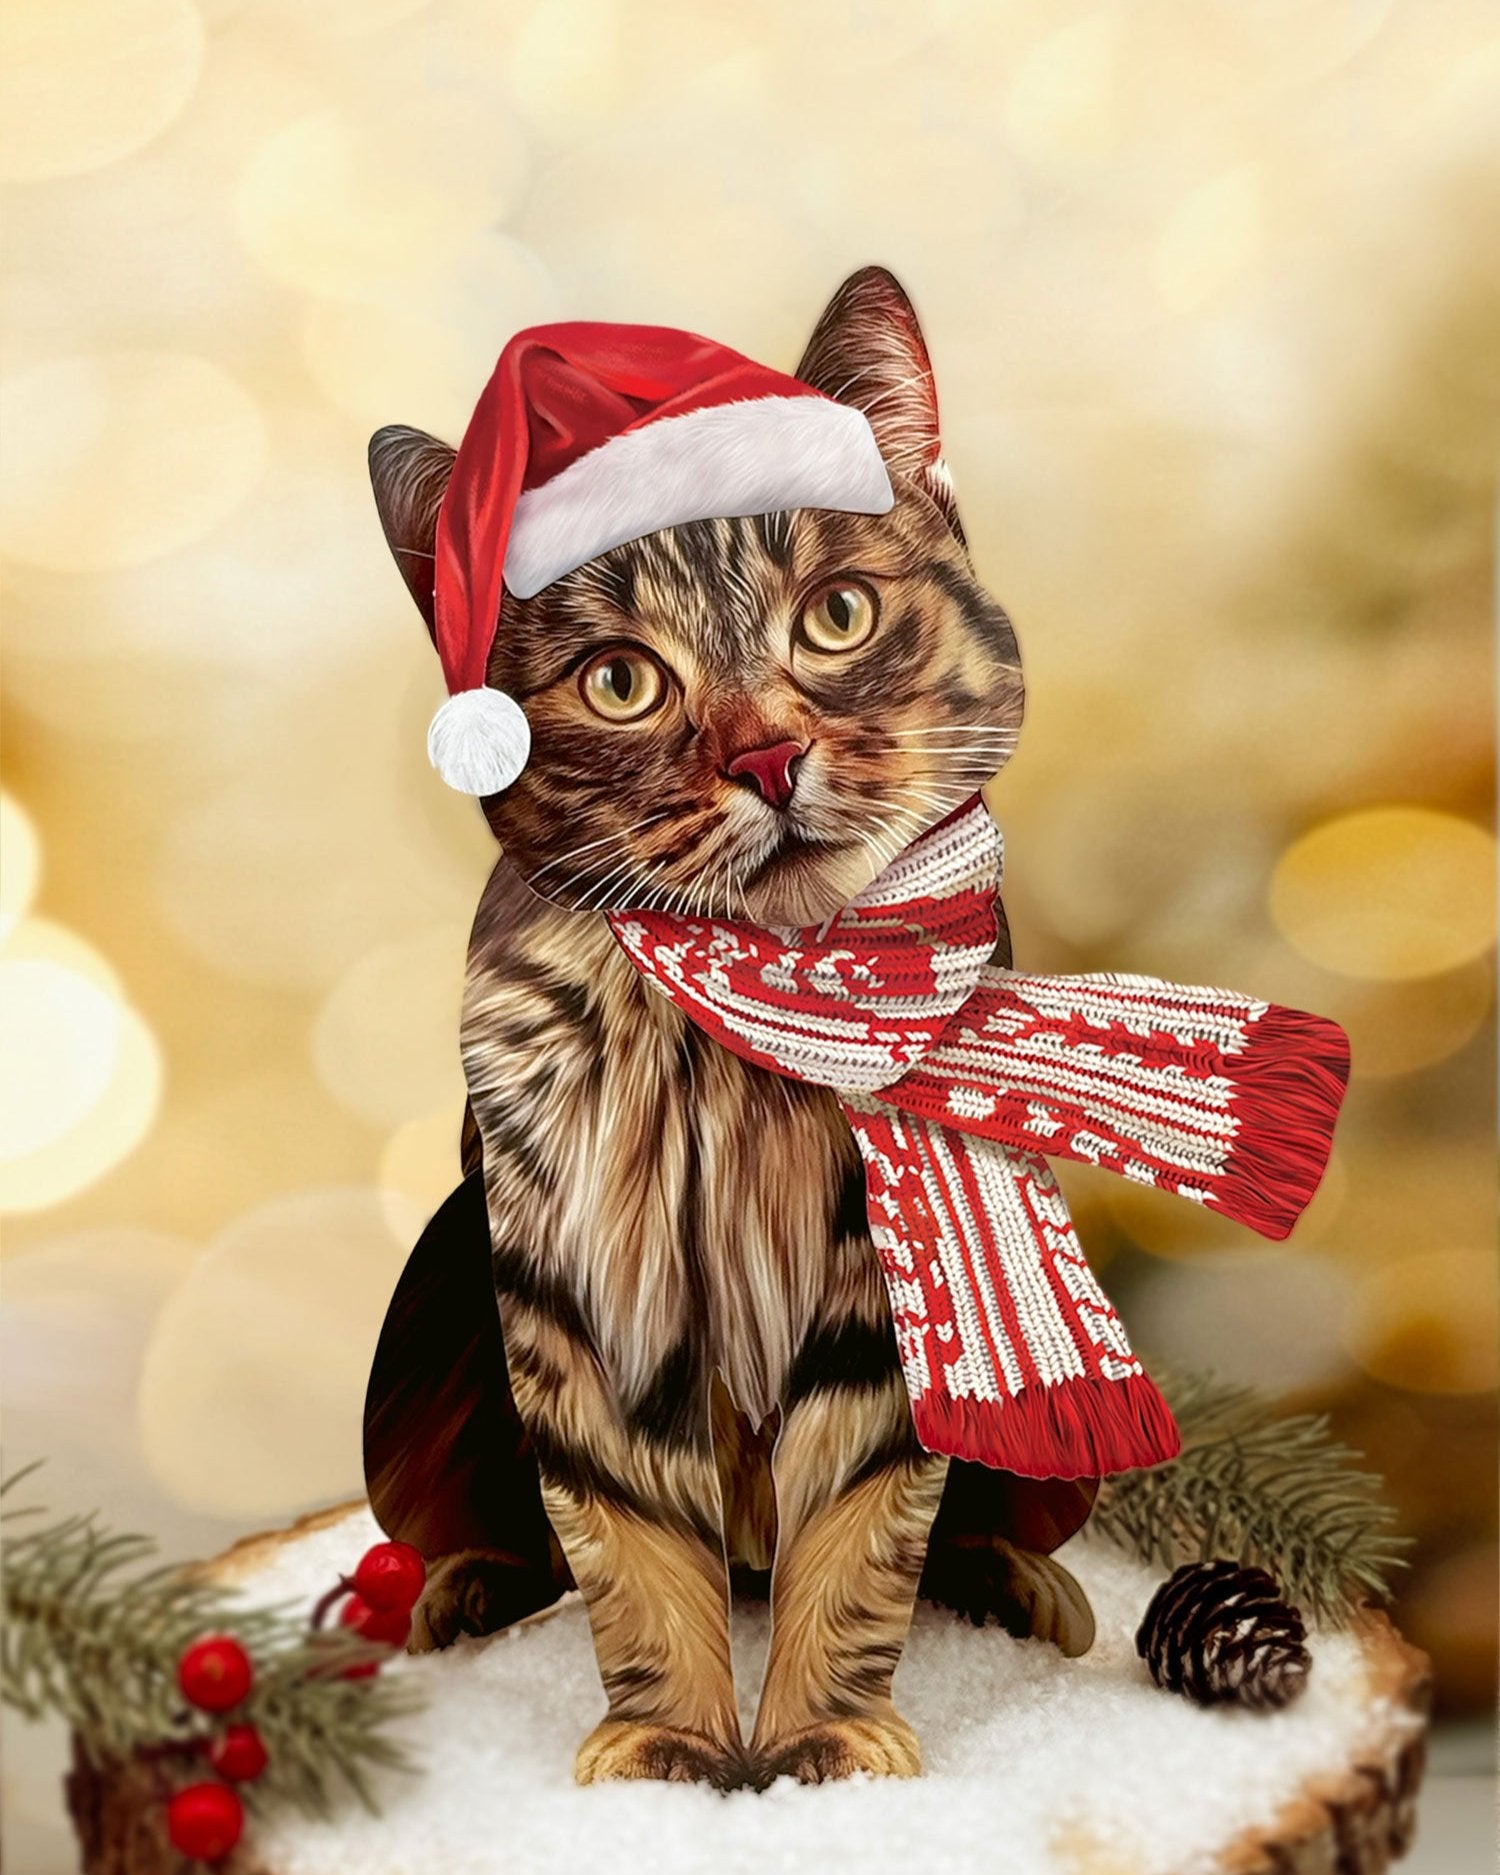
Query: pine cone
[1220,1632]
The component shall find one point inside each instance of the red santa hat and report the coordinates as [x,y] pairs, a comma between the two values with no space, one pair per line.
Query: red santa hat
[588,436]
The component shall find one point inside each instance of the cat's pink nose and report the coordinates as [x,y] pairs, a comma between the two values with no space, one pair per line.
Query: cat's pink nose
[773,771]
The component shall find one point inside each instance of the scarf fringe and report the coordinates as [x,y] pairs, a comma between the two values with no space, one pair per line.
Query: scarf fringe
[1289,1084]
[1085,1427]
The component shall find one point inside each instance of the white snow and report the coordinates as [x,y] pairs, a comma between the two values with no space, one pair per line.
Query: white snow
[1036,1765]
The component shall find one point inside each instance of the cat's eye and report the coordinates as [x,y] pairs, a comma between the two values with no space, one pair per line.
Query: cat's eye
[622,686]
[840,618]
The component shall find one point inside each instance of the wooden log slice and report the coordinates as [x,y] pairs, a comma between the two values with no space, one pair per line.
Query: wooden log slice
[1036,1765]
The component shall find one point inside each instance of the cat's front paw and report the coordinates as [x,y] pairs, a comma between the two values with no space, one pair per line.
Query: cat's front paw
[883,1747]
[632,1749]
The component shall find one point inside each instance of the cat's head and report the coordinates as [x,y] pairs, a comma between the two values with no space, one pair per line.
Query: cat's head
[748,717]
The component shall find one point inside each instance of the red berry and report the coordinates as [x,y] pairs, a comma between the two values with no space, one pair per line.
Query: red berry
[391,1575]
[205,1821]
[239,1755]
[388,1625]
[391,1625]
[215,1673]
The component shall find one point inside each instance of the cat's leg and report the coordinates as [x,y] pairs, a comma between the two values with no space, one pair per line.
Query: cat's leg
[855,1498]
[633,1496]
[657,1593]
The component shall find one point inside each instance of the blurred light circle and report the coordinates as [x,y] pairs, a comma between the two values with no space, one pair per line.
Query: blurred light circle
[703,267]
[334,205]
[351,18]
[301,212]
[83,82]
[1059,107]
[1210,239]
[80,1076]
[420,1164]
[1428,1323]
[42,938]
[164,708]
[876,182]
[422,355]
[386,1041]
[338,815]
[1402,1027]
[154,231]
[1168,866]
[193,647]
[283,1130]
[62,1044]
[117,457]
[1269,1319]
[1449,1611]
[1302,44]
[1390,1214]
[1163,1226]
[373,359]
[75,1314]
[1390,892]
[254,1379]
[77,1311]
[566,67]
[20,863]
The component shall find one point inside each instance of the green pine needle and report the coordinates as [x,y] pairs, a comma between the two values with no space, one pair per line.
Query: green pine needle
[1278,1492]
[86,1638]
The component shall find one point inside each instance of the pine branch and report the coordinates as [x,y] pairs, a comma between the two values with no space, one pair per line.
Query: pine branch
[86,1639]
[1281,1493]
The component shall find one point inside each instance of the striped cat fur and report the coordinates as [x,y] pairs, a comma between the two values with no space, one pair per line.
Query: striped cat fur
[699,1386]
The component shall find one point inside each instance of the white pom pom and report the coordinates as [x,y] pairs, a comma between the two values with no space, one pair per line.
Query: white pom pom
[479,741]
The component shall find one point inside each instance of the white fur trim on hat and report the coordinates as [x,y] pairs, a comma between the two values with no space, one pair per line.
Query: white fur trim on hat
[479,741]
[756,456]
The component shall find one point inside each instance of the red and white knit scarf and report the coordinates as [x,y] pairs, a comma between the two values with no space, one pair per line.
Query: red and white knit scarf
[956,1078]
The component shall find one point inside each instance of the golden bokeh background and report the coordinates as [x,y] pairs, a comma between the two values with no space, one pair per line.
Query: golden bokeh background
[1214,298]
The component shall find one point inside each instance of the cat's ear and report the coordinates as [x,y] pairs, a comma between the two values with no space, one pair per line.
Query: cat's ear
[409,472]
[868,350]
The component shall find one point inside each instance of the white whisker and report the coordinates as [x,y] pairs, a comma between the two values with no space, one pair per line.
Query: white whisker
[588,846]
[957,732]
[623,870]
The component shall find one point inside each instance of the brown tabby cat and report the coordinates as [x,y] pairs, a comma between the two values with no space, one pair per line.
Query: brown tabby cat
[685,1279]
